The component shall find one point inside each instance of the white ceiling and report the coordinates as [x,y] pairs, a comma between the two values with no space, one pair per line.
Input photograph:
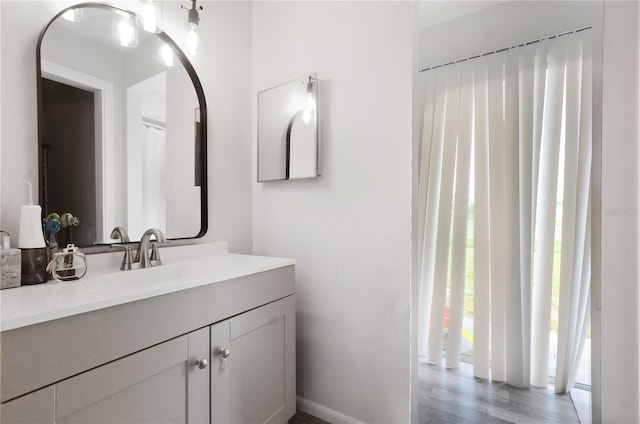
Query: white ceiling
[433,12]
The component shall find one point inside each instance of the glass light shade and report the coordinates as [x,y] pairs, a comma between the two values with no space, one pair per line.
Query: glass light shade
[307,115]
[166,54]
[150,17]
[192,43]
[126,34]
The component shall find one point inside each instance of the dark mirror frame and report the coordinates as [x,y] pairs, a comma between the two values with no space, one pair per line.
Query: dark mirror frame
[200,130]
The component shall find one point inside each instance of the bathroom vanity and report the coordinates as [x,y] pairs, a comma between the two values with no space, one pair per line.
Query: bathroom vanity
[208,338]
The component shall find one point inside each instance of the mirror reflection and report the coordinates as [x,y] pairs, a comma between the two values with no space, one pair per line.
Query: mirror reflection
[122,120]
[288,130]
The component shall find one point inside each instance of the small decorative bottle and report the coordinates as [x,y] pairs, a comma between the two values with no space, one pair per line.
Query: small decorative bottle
[69,264]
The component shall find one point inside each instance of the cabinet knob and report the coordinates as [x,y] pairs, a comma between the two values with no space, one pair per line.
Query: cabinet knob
[224,352]
[202,363]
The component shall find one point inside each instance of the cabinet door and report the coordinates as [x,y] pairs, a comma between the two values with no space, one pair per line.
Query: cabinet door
[150,386]
[254,380]
[147,387]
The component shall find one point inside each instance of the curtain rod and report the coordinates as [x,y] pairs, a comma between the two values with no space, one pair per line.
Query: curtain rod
[505,49]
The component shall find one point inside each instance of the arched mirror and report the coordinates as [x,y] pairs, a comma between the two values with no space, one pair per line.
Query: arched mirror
[122,126]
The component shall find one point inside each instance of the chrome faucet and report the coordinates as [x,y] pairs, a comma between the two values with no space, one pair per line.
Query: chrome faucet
[144,259]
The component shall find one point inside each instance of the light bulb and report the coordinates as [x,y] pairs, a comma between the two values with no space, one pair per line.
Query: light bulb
[191,45]
[151,17]
[310,108]
[127,34]
[166,54]
[193,21]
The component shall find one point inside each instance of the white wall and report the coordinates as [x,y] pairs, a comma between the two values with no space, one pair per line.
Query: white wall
[349,229]
[225,72]
[617,272]
[20,27]
[1,97]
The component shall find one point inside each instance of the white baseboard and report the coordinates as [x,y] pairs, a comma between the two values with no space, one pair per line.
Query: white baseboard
[324,413]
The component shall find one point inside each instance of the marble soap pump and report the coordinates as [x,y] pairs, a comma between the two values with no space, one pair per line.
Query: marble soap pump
[10,263]
[35,254]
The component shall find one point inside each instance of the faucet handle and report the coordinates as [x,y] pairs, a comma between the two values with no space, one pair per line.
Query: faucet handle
[154,258]
[126,260]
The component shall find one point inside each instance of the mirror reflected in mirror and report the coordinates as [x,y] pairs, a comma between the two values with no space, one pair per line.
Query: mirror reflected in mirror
[288,130]
[122,120]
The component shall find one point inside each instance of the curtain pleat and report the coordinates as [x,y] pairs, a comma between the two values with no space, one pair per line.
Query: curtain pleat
[516,292]
[569,297]
[539,89]
[501,119]
[438,303]
[497,180]
[583,231]
[583,311]
[433,199]
[481,227]
[574,287]
[547,195]
[527,103]
[425,153]
[429,171]
[460,218]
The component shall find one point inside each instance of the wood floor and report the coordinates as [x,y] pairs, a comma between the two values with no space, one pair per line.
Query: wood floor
[304,418]
[456,397]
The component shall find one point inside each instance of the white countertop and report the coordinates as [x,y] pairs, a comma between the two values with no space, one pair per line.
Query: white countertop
[35,304]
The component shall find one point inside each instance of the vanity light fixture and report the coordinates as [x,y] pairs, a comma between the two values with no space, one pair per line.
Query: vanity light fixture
[150,17]
[310,108]
[166,54]
[126,34]
[193,22]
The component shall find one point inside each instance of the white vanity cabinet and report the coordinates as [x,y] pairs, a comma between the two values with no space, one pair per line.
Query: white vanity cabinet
[216,353]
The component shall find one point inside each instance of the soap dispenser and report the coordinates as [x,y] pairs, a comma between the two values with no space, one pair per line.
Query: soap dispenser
[35,253]
[10,265]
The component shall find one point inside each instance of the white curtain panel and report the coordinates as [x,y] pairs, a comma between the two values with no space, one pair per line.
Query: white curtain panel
[576,248]
[497,132]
